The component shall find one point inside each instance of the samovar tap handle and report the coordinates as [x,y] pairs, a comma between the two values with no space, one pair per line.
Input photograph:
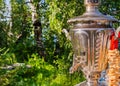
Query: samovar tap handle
[66,34]
[76,64]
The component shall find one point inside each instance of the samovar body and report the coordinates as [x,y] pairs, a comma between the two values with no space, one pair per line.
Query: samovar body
[90,48]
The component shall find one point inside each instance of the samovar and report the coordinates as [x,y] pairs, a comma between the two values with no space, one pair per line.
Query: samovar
[90,40]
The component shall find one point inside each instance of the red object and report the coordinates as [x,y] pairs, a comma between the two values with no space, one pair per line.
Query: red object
[113,41]
[116,44]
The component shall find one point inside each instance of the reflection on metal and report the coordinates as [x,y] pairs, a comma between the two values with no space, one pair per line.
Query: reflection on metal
[90,40]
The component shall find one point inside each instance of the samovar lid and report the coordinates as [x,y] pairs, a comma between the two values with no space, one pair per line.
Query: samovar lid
[92,14]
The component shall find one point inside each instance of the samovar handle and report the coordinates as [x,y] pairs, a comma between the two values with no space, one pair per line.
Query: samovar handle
[76,64]
[66,34]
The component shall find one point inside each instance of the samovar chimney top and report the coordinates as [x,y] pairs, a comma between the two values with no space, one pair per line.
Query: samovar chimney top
[92,2]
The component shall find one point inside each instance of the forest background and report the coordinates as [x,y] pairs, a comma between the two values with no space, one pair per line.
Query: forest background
[34,50]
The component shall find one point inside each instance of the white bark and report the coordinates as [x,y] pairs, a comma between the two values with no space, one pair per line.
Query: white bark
[33,10]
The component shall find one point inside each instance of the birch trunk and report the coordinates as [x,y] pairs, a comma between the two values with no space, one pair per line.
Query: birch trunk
[37,29]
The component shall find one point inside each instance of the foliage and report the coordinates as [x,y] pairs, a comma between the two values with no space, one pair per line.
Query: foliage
[111,8]
[41,74]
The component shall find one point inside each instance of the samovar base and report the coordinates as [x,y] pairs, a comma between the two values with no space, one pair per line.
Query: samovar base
[91,79]
[95,79]
[85,83]
[88,83]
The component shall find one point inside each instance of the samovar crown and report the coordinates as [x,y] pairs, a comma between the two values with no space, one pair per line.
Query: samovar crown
[92,2]
[92,14]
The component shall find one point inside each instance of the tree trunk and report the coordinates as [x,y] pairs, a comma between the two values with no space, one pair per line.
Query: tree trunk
[37,29]
[38,37]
